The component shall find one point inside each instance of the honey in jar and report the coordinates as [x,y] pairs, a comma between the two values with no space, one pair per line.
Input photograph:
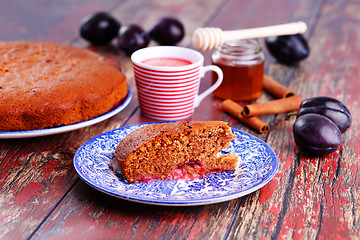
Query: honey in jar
[242,63]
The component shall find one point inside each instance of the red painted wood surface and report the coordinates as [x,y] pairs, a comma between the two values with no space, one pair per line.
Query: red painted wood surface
[309,198]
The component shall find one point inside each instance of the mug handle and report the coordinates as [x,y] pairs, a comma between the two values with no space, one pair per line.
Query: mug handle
[205,69]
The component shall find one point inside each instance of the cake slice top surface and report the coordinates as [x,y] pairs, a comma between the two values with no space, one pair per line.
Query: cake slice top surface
[142,135]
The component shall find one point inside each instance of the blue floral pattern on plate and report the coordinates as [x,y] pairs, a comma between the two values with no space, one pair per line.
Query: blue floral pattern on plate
[94,162]
[67,128]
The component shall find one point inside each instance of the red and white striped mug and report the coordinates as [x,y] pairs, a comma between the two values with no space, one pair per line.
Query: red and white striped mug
[167,80]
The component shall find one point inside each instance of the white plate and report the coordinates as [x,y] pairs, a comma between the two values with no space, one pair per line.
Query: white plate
[95,164]
[68,128]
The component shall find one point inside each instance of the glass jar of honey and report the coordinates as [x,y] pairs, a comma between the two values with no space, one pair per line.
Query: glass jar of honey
[242,62]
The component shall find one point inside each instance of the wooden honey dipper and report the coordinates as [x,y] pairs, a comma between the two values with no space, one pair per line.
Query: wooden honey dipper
[209,38]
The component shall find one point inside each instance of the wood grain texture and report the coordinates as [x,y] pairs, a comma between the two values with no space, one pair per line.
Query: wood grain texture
[56,21]
[41,196]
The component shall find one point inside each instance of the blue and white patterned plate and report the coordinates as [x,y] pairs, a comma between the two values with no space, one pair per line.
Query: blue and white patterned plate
[94,162]
[67,128]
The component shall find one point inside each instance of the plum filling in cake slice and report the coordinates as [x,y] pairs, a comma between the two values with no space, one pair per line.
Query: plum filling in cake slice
[182,171]
[178,150]
[189,170]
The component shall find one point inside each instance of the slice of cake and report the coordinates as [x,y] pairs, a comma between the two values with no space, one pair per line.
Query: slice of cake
[177,150]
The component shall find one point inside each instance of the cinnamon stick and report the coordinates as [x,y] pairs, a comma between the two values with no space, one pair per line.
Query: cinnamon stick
[236,110]
[272,107]
[276,89]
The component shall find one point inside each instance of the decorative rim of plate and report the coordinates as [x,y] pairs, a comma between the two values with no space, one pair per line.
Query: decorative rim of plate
[95,164]
[67,128]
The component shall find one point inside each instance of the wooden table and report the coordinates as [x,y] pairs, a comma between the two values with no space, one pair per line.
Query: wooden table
[42,196]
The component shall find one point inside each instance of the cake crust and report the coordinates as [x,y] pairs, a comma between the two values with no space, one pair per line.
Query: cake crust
[44,85]
[176,150]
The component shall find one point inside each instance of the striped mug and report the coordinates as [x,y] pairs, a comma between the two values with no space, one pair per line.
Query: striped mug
[167,81]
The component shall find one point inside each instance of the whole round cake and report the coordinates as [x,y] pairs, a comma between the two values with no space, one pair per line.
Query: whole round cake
[44,85]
